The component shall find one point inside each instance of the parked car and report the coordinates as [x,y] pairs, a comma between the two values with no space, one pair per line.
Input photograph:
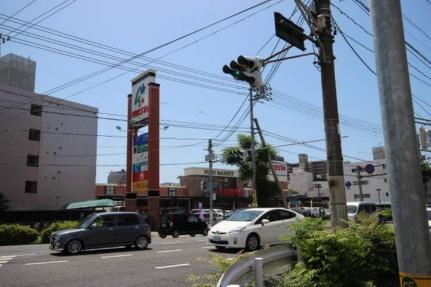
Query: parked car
[100,230]
[356,207]
[176,224]
[253,227]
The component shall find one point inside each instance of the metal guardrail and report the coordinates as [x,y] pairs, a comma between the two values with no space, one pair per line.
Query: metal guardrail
[244,271]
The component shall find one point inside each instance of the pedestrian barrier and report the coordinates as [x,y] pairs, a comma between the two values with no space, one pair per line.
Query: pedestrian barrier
[267,262]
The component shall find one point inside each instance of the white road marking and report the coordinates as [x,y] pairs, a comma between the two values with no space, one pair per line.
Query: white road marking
[173,266]
[168,251]
[47,262]
[3,262]
[170,243]
[115,256]
[28,254]
[208,247]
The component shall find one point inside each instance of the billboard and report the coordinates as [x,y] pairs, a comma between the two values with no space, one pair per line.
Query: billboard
[140,100]
[280,168]
[140,164]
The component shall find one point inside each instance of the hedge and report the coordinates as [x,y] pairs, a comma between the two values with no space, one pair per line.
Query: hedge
[13,234]
[361,255]
[56,226]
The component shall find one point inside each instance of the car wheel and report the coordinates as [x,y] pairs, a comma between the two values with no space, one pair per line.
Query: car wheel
[205,232]
[74,247]
[192,235]
[141,242]
[252,242]
[162,235]
[175,234]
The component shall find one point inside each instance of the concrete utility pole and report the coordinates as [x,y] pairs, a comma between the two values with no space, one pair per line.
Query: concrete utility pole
[253,152]
[405,179]
[334,156]
[274,174]
[210,184]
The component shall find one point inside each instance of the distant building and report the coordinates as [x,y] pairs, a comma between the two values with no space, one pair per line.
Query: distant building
[379,153]
[47,145]
[17,72]
[319,170]
[375,186]
[303,161]
[117,177]
[301,181]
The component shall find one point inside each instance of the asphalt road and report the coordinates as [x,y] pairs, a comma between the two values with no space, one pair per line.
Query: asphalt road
[165,263]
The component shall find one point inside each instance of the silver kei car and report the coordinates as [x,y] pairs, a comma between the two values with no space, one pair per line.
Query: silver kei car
[100,230]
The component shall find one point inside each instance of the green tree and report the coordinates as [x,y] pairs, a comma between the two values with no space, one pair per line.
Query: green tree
[266,190]
[3,203]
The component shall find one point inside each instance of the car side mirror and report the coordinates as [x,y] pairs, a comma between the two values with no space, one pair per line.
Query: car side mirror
[265,221]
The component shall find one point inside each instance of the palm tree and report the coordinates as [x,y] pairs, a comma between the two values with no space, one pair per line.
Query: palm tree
[240,156]
[3,203]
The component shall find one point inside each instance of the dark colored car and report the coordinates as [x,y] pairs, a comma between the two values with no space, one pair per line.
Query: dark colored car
[176,224]
[100,230]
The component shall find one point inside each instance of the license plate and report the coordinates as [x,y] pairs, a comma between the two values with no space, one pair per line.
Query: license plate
[216,238]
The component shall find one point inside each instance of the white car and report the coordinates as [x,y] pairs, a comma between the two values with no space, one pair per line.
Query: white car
[253,227]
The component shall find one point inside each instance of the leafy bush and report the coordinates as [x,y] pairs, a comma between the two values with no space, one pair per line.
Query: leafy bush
[17,234]
[56,226]
[361,255]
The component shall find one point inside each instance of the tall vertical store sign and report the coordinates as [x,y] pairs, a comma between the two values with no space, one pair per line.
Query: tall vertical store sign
[140,164]
[145,118]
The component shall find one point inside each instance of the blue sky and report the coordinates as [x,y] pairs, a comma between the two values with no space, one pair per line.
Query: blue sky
[138,26]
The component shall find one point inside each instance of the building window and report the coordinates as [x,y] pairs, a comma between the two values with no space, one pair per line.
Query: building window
[109,190]
[34,135]
[30,186]
[32,160]
[172,192]
[36,110]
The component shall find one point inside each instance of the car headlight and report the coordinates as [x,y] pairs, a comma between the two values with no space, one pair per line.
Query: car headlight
[236,230]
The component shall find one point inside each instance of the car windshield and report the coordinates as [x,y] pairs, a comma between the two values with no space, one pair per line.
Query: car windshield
[245,215]
[86,221]
[429,214]
[352,209]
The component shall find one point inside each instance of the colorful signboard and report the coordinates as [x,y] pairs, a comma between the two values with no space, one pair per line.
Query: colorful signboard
[140,164]
[280,168]
[140,100]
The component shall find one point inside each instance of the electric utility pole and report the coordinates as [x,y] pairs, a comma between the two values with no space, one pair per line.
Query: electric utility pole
[210,184]
[334,156]
[253,152]
[405,180]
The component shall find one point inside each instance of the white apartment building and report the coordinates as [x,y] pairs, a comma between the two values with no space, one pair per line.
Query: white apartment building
[375,185]
[47,145]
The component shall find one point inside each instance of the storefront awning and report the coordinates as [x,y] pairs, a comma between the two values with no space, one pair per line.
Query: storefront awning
[91,204]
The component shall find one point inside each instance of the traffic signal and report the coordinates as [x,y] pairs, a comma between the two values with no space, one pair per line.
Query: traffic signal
[238,155]
[246,69]
[204,185]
